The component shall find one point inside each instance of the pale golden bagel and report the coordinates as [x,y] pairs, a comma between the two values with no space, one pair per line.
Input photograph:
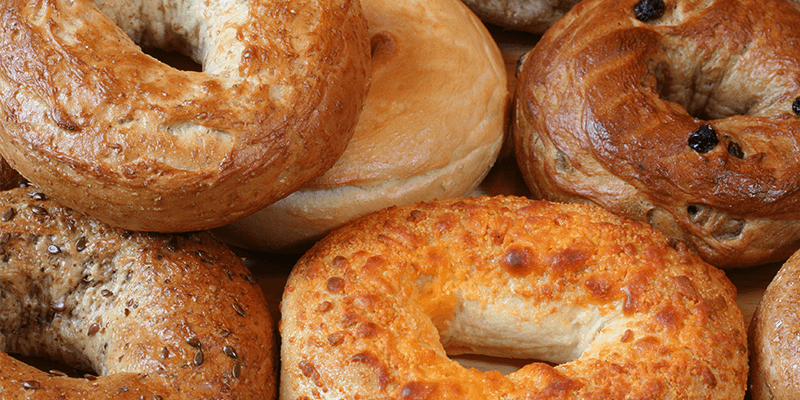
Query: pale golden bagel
[686,119]
[374,309]
[774,344]
[154,316]
[110,131]
[533,16]
[432,126]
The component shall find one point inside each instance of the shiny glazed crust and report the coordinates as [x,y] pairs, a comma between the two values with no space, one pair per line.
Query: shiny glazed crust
[155,316]
[533,16]
[432,126]
[110,131]
[774,344]
[372,310]
[607,105]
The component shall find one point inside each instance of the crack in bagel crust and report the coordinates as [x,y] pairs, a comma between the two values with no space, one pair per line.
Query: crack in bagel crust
[108,130]
[374,309]
[154,316]
[692,108]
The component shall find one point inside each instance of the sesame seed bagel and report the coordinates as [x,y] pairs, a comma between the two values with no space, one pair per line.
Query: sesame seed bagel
[432,126]
[154,316]
[113,132]
[374,309]
[681,113]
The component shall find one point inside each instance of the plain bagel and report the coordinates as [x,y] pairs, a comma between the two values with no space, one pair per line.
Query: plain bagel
[774,342]
[682,113]
[153,316]
[432,126]
[533,16]
[372,310]
[110,131]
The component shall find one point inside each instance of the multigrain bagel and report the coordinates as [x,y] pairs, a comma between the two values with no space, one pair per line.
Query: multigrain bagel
[432,126]
[773,337]
[110,131]
[371,310]
[533,16]
[686,119]
[154,316]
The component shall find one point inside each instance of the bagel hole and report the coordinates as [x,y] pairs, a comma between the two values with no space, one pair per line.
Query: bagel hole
[484,363]
[174,59]
[50,366]
[706,96]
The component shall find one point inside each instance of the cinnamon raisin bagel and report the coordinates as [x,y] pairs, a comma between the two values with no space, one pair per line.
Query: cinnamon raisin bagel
[773,337]
[533,16]
[432,126]
[681,113]
[374,309]
[110,131]
[153,316]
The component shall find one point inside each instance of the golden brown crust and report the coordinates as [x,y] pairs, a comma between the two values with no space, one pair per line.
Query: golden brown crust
[370,311]
[607,103]
[774,344]
[110,131]
[533,16]
[178,317]
[432,126]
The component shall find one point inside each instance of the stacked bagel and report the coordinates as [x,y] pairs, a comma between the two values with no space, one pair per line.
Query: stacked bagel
[357,131]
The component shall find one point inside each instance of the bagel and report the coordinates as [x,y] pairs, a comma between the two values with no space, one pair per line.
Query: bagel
[432,126]
[533,16]
[372,310]
[773,337]
[155,316]
[686,119]
[110,131]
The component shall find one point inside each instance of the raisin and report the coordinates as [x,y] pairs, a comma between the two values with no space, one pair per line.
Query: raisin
[703,139]
[648,10]
[735,150]
[796,106]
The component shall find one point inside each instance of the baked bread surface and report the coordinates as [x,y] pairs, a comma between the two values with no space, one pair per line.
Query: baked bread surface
[613,308]
[108,130]
[149,316]
[686,121]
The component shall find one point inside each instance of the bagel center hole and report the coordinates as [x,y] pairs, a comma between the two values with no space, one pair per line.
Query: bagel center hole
[53,367]
[484,363]
[174,59]
[706,95]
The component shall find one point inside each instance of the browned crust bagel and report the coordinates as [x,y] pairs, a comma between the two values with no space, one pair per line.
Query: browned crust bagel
[115,133]
[610,110]
[372,309]
[155,316]
[432,126]
[774,343]
[533,16]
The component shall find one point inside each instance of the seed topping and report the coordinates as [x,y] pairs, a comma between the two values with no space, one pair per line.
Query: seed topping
[230,352]
[33,385]
[8,215]
[80,245]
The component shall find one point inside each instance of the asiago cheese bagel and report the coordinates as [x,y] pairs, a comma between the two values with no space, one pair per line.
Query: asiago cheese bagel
[432,126]
[110,131]
[149,316]
[374,309]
